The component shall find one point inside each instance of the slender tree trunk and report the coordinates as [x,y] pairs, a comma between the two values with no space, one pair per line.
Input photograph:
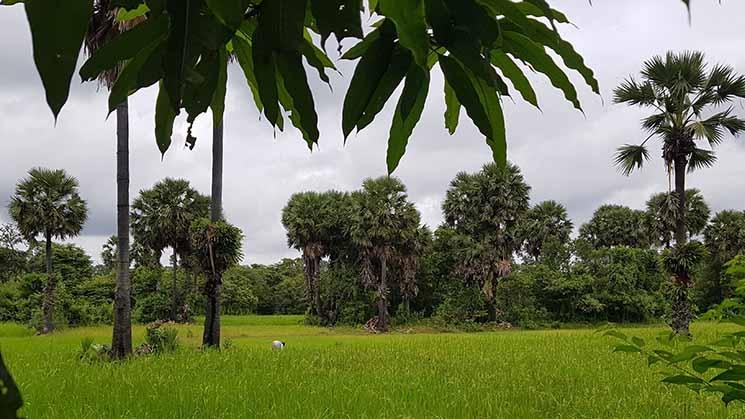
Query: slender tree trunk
[492,303]
[47,305]
[308,273]
[174,286]
[121,342]
[383,297]
[317,287]
[211,337]
[213,288]
[681,306]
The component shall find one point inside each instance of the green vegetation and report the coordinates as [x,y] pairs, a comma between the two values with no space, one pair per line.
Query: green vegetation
[344,372]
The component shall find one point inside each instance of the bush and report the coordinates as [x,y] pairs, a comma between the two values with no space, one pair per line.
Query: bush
[153,307]
[345,301]
[518,302]
[83,313]
[461,304]
[93,352]
[161,337]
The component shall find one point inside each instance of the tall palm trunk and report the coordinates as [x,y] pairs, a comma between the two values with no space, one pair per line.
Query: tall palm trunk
[383,296]
[213,288]
[121,342]
[47,305]
[309,266]
[317,287]
[681,306]
[491,302]
[174,286]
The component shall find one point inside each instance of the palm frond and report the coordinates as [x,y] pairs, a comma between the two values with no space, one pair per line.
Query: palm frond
[701,158]
[633,93]
[654,122]
[630,157]
[725,84]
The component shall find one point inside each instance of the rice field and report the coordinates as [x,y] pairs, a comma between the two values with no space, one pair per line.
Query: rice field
[340,373]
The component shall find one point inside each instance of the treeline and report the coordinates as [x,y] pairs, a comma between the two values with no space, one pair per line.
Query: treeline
[496,258]
[367,258]
[85,292]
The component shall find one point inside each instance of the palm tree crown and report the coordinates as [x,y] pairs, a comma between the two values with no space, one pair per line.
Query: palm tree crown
[47,202]
[162,216]
[679,88]
[662,213]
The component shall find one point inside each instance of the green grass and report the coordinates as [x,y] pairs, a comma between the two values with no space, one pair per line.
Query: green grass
[346,373]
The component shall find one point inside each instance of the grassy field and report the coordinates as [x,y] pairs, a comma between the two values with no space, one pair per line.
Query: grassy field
[347,373]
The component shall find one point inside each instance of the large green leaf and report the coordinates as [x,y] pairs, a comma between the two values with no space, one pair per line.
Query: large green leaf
[244,53]
[408,16]
[181,50]
[339,17]
[281,24]
[360,48]
[199,94]
[516,76]
[124,47]
[398,67]
[165,115]
[266,79]
[510,11]
[290,67]
[535,55]
[474,18]
[229,12]
[127,82]
[481,103]
[466,49]
[367,76]
[316,58]
[218,100]
[531,9]
[407,114]
[57,31]
[440,19]
[540,34]
[452,109]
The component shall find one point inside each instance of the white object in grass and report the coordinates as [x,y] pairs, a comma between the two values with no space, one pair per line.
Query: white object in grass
[278,345]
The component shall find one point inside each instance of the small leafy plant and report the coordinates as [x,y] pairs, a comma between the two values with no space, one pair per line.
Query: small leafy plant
[160,337]
[93,352]
[717,367]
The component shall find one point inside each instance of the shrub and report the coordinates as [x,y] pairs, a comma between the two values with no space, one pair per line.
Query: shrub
[93,352]
[461,304]
[160,337]
[153,307]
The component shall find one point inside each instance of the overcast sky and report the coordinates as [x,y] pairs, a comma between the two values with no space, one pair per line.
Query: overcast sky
[564,155]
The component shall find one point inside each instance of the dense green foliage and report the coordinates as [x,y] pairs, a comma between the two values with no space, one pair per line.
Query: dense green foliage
[184,48]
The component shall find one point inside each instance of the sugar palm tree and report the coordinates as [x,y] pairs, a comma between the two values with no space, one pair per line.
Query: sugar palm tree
[102,28]
[486,210]
[383,220]
[662,214]
[47,203]
[545,221]
[162,216]
[305,217]
[684,94]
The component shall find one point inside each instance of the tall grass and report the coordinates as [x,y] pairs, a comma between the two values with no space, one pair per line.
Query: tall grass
[341,373]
